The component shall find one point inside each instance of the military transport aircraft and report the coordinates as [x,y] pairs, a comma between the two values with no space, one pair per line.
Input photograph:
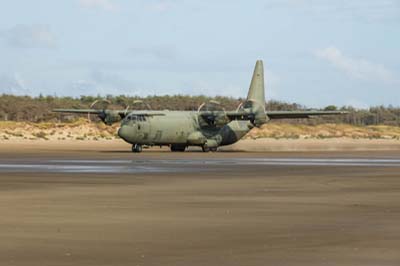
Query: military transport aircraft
[207,129]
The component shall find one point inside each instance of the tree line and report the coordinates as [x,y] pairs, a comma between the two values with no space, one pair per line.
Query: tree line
[38,109]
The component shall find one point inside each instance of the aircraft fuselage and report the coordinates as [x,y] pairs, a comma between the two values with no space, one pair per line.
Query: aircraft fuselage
[180,129]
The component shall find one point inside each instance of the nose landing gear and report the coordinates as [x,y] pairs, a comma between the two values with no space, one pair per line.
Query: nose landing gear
[210,145]
[209,149]
[137,148]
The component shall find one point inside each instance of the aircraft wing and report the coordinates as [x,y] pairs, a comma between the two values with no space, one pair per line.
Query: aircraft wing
[300,114]
[121,113]
[109,117]
[242,115]
[77,111]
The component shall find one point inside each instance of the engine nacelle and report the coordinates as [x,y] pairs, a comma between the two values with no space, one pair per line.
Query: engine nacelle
[109,117]
[258,110]
[196,138]
[212,114]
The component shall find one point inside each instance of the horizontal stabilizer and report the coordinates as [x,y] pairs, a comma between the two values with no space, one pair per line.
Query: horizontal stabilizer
[300,114]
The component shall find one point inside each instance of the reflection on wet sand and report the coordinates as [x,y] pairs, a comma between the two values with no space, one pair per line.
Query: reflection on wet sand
[181,165]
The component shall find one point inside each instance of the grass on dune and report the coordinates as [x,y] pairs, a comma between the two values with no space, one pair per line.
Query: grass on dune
[81,129]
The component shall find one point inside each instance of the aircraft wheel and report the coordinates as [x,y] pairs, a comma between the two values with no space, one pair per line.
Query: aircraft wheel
[137,148]
[179,148]
[205,148]
[208,149]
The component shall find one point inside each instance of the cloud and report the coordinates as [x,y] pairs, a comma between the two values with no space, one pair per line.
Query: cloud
[12,84]
[107,5]
[111,80]
[100,82]
[369,10]
[272,81]
[355,67]
[160,5]
[29,36]
[82,87]
[158,53]
[356,103]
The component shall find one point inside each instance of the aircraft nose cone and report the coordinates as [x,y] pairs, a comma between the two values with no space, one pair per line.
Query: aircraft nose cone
[123,133]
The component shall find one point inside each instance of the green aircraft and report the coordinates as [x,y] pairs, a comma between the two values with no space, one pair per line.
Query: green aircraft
[204,128]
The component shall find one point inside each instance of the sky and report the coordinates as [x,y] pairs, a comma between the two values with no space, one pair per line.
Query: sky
[315,52]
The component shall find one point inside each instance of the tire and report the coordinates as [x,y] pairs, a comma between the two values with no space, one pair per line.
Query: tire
[205,149]
[137,148]
[178,148]
[209,149]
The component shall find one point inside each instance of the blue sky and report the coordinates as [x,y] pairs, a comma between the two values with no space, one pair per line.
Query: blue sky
[315,52]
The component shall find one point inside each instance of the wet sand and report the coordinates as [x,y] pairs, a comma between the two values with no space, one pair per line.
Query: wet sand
[85,205]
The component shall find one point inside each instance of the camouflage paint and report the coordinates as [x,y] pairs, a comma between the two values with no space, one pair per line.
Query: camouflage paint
[208,129]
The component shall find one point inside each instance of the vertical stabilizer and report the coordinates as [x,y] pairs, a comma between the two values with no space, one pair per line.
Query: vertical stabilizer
[255,102]
[256,91]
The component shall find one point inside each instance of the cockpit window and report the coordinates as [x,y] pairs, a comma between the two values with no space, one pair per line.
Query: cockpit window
[131,118]
[141,118]
[135,118]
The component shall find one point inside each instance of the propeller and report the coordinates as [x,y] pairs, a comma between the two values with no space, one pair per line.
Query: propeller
[216,114]
[103,114]
[240,107]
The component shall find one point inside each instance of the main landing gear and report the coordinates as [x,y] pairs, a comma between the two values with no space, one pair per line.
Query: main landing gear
[175,148]
[137,148]
[209,149]
[178,148]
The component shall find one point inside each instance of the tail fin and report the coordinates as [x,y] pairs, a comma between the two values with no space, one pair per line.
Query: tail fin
[255,102]
[257,90]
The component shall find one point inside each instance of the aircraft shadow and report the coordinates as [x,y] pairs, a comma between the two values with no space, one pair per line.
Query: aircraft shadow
[166,151]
